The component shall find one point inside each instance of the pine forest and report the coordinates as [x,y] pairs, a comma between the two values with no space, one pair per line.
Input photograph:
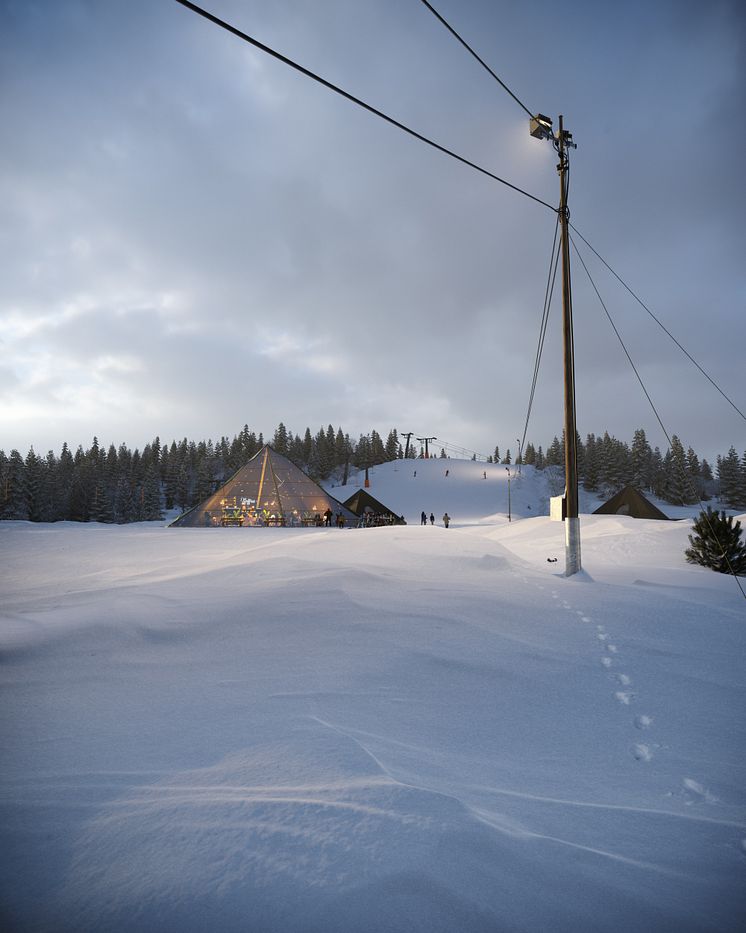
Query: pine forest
[121,485]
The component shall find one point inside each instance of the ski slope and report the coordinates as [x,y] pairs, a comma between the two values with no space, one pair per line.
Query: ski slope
[394,729]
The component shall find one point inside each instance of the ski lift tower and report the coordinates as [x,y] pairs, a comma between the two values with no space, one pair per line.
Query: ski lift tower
[541,128]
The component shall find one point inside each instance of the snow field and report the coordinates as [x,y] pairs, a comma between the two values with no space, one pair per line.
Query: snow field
[389,729]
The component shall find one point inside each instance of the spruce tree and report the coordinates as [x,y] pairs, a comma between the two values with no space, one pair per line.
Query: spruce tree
[729,474]
[392,445]
[125,507]
[280,440]
[307,448]
[741,484]
[554,456]
[590,472]
[679,485]
[152,495]
[377,450]
[640,457]
[13,502]
[49,510]
[33,485]
[716,543]
[183,497]
[101,510]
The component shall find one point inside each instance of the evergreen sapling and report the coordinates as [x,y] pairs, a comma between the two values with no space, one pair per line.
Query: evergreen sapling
[716,543]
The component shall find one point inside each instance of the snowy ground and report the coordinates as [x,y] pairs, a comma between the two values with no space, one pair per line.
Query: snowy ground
[401,729]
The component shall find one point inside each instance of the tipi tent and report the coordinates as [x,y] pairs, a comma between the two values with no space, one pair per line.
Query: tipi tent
[629,501]
[268,490]
[362,503]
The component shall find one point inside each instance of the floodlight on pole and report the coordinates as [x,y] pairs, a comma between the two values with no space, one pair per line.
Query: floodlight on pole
[541,128]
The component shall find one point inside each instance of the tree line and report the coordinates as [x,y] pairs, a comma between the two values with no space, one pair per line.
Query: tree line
[120,485]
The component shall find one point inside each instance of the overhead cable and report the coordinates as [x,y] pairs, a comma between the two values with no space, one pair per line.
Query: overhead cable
[356,100]
[659,323]
[655,412]
[549,291]
[472,52]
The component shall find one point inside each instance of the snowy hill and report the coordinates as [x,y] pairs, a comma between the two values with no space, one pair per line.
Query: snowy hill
[472,492]
[389,730]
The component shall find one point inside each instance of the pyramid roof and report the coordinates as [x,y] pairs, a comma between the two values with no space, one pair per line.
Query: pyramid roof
[361,501]
[268,490]
[630,501]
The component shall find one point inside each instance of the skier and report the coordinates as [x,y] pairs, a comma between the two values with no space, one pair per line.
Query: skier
[432,519]
[423,518]
[446,519]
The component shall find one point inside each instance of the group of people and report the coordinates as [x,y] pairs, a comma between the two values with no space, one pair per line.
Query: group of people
[423,519]
[376,520]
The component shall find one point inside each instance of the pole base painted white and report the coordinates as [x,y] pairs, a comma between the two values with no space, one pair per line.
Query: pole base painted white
[572,546]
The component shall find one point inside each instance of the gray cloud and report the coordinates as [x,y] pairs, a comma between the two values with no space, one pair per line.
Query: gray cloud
[198,237]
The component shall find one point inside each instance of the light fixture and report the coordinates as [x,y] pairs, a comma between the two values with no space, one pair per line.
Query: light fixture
[540,127]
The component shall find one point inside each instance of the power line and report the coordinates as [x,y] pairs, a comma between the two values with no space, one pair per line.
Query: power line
[659,323]
[472,52]
[655,412]
[356,100]
[549,291]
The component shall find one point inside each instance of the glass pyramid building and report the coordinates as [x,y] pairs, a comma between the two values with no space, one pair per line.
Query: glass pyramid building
[268,490]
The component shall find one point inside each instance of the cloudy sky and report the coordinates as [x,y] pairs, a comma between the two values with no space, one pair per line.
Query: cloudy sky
[195,237]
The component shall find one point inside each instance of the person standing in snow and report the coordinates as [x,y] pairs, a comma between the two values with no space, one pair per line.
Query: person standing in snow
[432,519]
[328,518]
[446,519]
[446,472]
[423,518]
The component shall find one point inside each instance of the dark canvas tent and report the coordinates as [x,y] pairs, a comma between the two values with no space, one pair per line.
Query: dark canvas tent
[361,503]
[268,490]
[630,501]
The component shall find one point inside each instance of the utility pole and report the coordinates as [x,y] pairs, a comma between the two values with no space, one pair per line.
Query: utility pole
[408,435]
[507,469]
[541,128]
[426,440]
